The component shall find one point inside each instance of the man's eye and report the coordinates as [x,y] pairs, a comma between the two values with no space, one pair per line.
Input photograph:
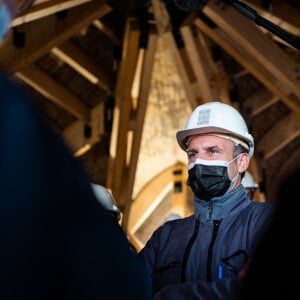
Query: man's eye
[214,151]
[191,154]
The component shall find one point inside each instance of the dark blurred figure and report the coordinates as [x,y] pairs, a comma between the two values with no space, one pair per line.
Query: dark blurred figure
[56,241]
[272,273]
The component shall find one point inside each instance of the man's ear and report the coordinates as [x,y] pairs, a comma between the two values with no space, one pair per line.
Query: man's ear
[243,162]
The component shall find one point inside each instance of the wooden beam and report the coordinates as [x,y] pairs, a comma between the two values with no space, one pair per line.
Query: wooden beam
[83,64]
[44,34]
[45,8]
[117,169]
[280,135]
[54,91]
[107,31]
[200,63]
[74,134]
[221,83]
[198,74]
[249,61]
[260,101]
[138,118]
[281,13]
[258,46]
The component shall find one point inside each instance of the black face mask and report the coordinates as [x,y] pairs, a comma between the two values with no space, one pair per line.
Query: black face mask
[208,181]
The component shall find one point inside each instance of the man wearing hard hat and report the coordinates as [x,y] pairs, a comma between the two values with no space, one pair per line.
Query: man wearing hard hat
[249,184]
[203,256]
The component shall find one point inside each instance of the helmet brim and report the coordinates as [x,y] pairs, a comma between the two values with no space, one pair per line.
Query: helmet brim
[183,135]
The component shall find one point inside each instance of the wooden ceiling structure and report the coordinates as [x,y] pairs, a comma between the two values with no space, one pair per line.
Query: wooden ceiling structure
[88,65]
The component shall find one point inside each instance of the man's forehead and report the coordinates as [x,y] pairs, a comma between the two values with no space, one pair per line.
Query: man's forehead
[208,140]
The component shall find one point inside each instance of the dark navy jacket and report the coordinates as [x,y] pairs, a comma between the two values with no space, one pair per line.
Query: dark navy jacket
[199,257]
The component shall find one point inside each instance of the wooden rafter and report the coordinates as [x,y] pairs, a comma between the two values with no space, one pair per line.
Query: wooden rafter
[74,134]
[44,34]
[250,63]
[260,101]
[54,91]
[137,119]
[280,135]
[260,49]
[42,9]
[117,170]
[83,64]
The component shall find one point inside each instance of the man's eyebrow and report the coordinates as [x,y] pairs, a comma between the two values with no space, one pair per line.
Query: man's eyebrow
[208,147]
[194,149]
[191,149]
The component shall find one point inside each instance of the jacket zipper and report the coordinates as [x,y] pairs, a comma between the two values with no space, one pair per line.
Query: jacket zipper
[210,249]
[188,250]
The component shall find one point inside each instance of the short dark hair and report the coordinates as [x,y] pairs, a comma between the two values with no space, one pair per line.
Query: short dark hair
[238,149]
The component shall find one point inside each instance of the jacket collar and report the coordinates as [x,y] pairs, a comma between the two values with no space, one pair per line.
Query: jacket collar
[221,207]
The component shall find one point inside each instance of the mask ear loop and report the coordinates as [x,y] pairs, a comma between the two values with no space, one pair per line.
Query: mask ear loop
[235,177]
[229,162]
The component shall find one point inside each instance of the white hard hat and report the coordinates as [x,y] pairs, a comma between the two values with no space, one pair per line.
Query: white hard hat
[248,181]
[106,199]
[216,117]
[172,216]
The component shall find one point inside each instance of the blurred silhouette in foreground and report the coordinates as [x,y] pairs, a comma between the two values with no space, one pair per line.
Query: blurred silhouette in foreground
[272,273]
[56,240]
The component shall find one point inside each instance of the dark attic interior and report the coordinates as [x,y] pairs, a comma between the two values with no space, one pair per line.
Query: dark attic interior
[117,79]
